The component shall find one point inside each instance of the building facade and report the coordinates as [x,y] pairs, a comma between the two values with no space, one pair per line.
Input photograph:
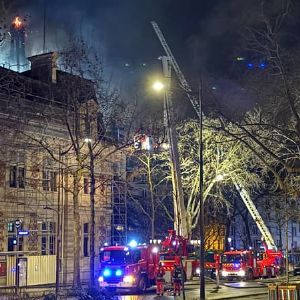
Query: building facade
[49,144]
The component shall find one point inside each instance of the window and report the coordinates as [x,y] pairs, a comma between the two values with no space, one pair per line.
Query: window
[14,243]
[11,242]
[17,177]
[136,256]
[20,242]
[86,239]
[85,185]
[51,245]
[49,181]
[294,231]
[44,245]
[10,227]
[48,234]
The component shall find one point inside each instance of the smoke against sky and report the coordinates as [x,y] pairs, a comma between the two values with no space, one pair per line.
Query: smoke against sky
[205,35]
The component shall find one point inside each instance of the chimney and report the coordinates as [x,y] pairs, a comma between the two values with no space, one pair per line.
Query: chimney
[43,67]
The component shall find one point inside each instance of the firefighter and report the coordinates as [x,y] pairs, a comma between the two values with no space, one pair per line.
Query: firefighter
[160,280]
[177,280]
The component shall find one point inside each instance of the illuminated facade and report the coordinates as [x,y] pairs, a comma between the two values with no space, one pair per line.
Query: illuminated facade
[33,181]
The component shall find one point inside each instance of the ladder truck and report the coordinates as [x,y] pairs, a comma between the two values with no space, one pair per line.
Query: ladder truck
[270,262]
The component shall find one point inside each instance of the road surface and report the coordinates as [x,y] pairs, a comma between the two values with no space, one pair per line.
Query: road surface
[234,290]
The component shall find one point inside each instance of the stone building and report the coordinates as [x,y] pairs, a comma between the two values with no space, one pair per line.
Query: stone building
[50,132]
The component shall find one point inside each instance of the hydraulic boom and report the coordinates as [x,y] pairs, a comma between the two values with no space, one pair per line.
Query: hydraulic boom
[196,105]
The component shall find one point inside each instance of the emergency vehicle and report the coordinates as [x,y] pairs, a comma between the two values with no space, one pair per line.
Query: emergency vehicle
[124,267]
[239,264]
[210,261]
[174,251]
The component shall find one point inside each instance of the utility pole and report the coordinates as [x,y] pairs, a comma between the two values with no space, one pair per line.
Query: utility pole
[178,199]
[92,214]
[58,227]
[201,217]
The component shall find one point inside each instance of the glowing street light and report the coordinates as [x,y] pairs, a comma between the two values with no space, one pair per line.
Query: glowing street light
[219,177]
[158,86]
[88,140]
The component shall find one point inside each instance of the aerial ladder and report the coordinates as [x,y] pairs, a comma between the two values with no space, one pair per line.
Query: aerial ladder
[265,232]
[266,235]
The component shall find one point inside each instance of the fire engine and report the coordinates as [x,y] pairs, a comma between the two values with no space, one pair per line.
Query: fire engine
[269,259]
[174,251]
[267,262]
[209,264]
[239,265]
[125,267]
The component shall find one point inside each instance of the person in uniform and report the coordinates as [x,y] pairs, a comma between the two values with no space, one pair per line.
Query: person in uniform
[177,280]
[160,272]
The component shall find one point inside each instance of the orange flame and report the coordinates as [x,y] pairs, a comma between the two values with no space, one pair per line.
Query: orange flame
[17,22]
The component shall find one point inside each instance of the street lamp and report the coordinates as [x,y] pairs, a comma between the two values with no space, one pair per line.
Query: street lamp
[178,199]
[219,177]
[158,86]
[88,141]
[229,242]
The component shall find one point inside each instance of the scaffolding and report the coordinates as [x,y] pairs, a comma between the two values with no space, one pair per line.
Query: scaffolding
[119,212]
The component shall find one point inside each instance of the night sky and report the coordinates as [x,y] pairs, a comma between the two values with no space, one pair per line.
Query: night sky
[204,35]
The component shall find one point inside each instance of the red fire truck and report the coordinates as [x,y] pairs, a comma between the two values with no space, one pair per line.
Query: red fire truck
[131,268]
[239,265]
[175,250]
[209,263]
[270,262]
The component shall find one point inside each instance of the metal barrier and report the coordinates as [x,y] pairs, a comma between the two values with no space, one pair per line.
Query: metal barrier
[273,291]
[284,291]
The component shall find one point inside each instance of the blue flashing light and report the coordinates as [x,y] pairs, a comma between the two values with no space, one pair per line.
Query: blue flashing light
[236,265]
[106,272]
[133,244]
[262,65]
[250,66]
[119,272]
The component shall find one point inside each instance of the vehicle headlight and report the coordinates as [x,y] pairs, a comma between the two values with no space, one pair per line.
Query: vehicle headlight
[224,273]
[198,270]
[241,273]
[100,279]
[128,279]
[106,272]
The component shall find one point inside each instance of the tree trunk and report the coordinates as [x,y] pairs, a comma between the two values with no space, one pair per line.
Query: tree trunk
[151,189]
[248,233]
[280,235]
[77,231]
[92,217]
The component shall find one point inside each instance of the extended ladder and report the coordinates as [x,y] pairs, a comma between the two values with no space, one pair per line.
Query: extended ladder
[267,237]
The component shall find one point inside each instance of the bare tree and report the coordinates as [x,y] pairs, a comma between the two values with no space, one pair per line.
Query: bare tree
[150,179]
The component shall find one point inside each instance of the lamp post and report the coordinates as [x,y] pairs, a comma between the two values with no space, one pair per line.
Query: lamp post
[89,141]
[178,199]
[229,242]
[201,212]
